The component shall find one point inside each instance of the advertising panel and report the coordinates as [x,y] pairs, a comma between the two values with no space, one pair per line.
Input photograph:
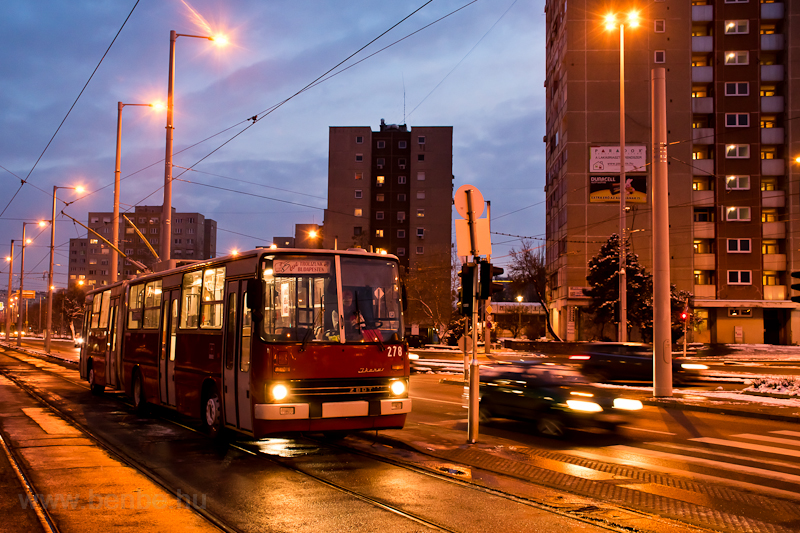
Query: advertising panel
[606,189]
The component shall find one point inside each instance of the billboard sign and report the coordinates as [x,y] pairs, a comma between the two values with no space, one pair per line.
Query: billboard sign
[606,189]
[605,159]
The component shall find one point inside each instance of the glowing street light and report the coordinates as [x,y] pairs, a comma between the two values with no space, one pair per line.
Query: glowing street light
[166,212]
[10,259]
[611,23]
[519,301]
[25,241]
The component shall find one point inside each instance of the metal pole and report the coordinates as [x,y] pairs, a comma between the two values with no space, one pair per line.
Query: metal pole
[487,332]
[50,275]
[21,284]
[115,213]
[8,296]
[623,294]
[474,372]
[166,210]
[662,334]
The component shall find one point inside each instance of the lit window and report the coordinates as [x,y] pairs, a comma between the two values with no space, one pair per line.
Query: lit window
[733,183]
[420,213]
[380,180]
[739,277]
[737,57]
[737,214]
[359,175]
[358,212]
[379,197]
[379,233]
[737,26]
[737,151]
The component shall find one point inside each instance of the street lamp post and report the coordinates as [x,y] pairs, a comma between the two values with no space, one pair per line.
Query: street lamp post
[166,210]
[22,281]
[10,260]
[519,301]
[633,19]
[115,214]
[47,333]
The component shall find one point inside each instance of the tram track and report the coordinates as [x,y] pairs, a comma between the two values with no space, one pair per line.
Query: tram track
[252,449]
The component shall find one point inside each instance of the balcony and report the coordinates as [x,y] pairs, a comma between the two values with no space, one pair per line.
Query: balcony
[705,291]
[773,167]
[703,136]
[772,42]
[706,13]
[703,105]
[772,136]
[703,198]
[771,72]
[774,262]
[772,11]
[773,199]
[703,167]
[705,261]
[774,292]
[772,104]
[703,43]
[773,230]
[703,230]
[702,74]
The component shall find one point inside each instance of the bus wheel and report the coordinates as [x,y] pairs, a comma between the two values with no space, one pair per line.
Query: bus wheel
[139,401]
[212,415]
[93,386]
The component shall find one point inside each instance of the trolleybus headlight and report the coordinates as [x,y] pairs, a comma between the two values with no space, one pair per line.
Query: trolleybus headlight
[398,387]
[279,392]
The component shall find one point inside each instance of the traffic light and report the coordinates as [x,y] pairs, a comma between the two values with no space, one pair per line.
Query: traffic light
[486,287]
[684,315]
[466,291]
[796,287]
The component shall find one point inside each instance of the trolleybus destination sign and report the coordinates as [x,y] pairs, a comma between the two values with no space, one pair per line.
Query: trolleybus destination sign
[301,266]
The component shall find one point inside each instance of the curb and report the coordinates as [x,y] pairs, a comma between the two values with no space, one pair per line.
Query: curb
[34,352]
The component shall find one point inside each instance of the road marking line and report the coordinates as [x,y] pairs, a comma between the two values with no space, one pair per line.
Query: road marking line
[649,430]
[749,446]
[436,401]
[694,476]
[767,438]
[787,432]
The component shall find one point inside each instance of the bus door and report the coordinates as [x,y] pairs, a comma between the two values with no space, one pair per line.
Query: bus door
[236,371]
[111,346]
[166,363]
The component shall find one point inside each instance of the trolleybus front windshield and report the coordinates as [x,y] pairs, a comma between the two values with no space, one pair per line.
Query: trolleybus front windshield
[303,297]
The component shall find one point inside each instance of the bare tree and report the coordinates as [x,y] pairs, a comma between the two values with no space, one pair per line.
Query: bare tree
[528,272]
[430,291]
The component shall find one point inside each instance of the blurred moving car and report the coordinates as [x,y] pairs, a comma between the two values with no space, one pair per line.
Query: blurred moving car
[554,397]
[628,361]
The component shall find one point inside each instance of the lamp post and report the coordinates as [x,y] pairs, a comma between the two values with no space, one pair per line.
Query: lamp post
[50,276]
[519,301]
[22,280]
[10,260]
[166,209]
[611,23]
[115,214]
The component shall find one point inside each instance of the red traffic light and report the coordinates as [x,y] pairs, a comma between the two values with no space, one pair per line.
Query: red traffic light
[684,315]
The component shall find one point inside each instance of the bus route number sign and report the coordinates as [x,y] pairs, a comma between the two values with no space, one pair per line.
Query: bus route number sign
[301,266]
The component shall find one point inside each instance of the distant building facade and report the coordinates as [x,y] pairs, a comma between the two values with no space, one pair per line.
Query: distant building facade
[194,237]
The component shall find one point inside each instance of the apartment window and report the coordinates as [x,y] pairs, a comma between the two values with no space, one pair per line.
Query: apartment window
[659,25]
[379,197]
[153,240]
[401,234]
[737,57]
[379,233]
[92,261]
[660,56]
[737,120]
[401,197]
[421,233]
[191,220]
[420,250]
[358,193]
[358,212]
[189,241]
[704,214]
[736,1]
[401,180]
[737,151]
[177,231]
[401,252]
[381,161]
[769,152]
[94,220]
[769,184]
[767,90]
[359,176]
[379,215]
[769,214]
[93,241]
[737,183]
[741,214]
[739,277]
[768,122]
[402,145]
[737,88]
[421,139]
[739,246]
[401,163]
[401,216]
[359,140]
[420,213]
[178,252]
[128,251]
[177,241]
[357,230]
[129,231]
[704,246]
[381,144]
[745,313]
[420,195]
[359,158]
[420,157]
[153,230]
[380,180]
[702,183]
[420,176]
[737,26]
[154,221]
[770,246]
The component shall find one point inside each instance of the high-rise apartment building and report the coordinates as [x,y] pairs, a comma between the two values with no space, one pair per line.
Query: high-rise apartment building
[194,237]
[392,190]
[731,67]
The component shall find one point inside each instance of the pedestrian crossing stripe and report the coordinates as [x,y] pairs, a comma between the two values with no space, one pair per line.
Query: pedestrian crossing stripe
[747,446]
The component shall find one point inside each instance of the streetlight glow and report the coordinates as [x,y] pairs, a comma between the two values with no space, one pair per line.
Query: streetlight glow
[219,40]
[79,189]
[633,19]
[42,223]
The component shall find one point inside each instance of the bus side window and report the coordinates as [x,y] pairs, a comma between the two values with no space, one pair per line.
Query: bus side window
[247,325]
[135,307]
[190,294]
[212,298]
[152,304]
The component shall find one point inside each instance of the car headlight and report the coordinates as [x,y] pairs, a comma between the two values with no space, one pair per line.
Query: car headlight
[581,405]
[398,387]
[693,366]
[626,404]
[279,391]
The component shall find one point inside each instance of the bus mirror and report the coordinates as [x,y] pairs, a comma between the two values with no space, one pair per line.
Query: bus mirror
[256,289]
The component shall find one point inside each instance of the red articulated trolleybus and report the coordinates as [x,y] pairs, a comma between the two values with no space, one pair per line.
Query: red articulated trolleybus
[268,341]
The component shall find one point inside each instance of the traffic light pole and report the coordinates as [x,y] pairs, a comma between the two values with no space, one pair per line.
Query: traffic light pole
[474,372]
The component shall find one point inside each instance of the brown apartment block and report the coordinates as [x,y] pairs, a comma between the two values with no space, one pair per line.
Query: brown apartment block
[194,237]
[391,190]
[731,67]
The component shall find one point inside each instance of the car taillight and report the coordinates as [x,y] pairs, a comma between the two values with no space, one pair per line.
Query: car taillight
[579,357]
